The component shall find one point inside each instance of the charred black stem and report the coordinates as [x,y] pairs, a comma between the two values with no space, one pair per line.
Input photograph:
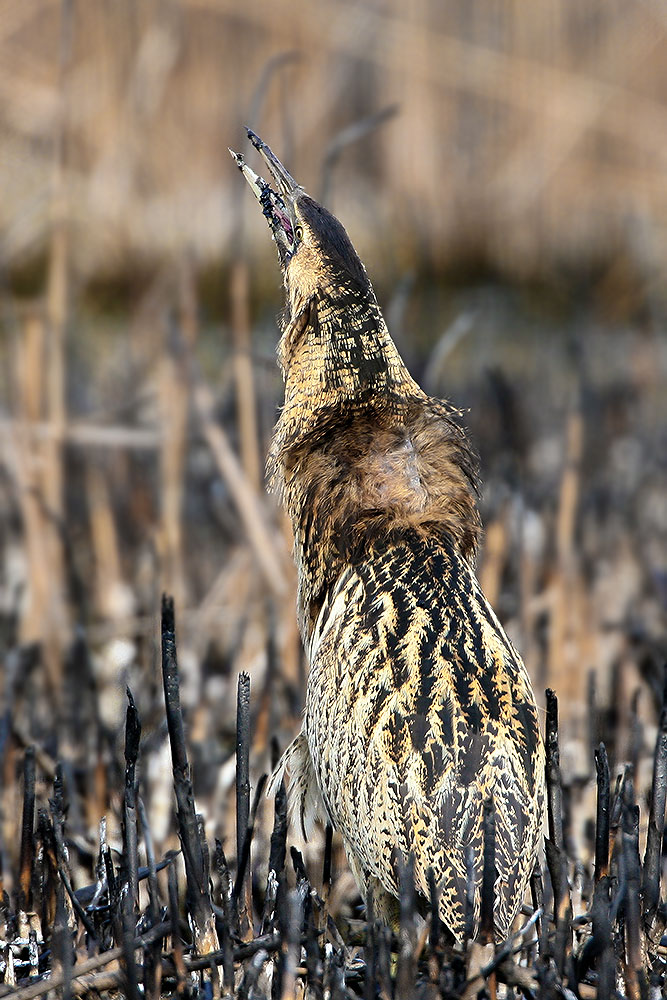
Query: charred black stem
[554,790]
[62,944]
[277,851]
[247,840]
[326,866]
[656,821]
[602,816]
[631,865]
[176,944]
[197,893]
[129,963]
[225,924]
[152,968]
[243,803]
[129,824]
[27,825]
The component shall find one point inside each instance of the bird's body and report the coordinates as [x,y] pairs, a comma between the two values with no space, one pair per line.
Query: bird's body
[418,708]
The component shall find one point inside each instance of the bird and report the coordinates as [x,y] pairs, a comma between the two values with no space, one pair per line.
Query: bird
[419,711]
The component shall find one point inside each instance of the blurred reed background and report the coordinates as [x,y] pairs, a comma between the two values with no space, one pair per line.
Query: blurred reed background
[501,168]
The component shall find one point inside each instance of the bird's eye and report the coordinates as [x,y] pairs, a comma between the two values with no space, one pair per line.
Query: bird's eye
[298,234]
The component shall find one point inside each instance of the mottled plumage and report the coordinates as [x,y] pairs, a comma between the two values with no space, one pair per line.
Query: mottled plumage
[418,708]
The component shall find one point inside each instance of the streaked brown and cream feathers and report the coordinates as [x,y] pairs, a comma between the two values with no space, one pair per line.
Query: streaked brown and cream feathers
[418,708]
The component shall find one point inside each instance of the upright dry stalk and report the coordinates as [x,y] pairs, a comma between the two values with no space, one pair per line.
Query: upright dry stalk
[174,395]
[564,667]
[107,563]
[29,362]
[266,544]
[57,303]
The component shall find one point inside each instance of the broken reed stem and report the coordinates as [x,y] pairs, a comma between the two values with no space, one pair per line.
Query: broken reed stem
[244,874]
[175,928]
[152,963]
[554,790]
[275,880]
[82,983]
[27,826]
[294,920]
[57,805]
[555,844]
[153,891]
[198,900]
[127,943]
[129,822]
[62,945]
[631,865]
[602,813]
[326,867]
[227,929]
[656,822]
[244,893]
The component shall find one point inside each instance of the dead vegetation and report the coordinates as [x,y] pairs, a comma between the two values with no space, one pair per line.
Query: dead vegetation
[513,218]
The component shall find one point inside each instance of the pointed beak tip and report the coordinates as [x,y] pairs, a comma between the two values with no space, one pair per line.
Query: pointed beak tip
[237,157]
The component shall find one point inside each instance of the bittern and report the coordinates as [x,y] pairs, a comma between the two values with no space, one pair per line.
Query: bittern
[418,708]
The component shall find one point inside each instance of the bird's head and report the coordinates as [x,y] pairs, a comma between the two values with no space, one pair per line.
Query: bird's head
[314,251]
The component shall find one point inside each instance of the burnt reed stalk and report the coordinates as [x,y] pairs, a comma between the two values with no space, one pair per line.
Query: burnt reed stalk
[198,898]
[299,947]
[129,822]
[27,824]
[656,824]
[602,813]
[243,891]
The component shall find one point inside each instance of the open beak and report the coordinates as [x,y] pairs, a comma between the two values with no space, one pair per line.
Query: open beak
[287,186]
[277,205]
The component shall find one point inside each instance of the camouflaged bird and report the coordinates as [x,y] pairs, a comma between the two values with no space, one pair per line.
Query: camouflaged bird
[418,708]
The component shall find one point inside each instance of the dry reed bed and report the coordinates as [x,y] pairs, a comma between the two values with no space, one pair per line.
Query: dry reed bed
[592,931]
[116,491]
[132,446]
[528,135]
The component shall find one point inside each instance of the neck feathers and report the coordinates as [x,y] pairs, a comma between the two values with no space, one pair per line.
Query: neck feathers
[338,361]
[360,453]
